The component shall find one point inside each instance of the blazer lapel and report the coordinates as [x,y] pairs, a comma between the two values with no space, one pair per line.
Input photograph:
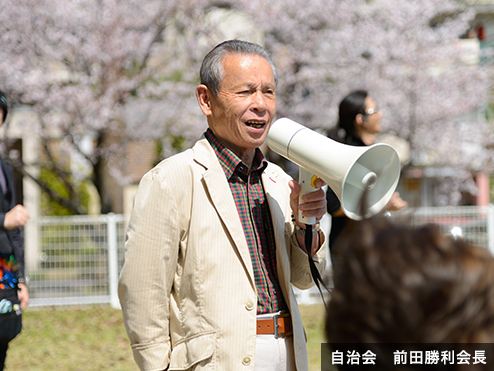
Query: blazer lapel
[275,199]
[222,199]
[277,196]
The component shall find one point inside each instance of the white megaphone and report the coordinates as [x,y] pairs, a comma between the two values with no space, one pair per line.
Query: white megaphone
[347,170]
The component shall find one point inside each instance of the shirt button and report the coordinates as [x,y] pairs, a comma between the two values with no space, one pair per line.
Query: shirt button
[246,361]
[249,305]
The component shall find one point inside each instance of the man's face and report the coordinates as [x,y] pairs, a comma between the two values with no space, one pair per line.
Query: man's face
[241,114]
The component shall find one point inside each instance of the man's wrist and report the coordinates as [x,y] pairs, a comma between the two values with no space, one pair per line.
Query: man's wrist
[301,232]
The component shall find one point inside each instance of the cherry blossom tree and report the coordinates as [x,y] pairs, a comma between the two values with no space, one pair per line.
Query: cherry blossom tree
[117,71]
[107,70]
[407,54]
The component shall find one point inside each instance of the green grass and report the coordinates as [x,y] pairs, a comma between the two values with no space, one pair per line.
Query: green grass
[71,339]
[313,319]
[94,338]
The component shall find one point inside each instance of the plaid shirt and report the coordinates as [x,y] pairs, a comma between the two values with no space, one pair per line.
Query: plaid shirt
[253,210]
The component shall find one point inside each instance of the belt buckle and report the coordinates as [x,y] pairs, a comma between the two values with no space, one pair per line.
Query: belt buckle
[276,333]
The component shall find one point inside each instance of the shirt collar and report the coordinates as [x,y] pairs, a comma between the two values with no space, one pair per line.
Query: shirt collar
[229,161]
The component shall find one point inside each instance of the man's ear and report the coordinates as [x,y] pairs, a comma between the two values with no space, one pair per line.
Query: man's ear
[203,98]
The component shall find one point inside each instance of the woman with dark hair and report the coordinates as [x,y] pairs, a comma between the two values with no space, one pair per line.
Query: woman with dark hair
[359,122]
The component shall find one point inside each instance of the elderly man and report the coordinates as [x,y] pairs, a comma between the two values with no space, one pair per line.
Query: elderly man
[212,250]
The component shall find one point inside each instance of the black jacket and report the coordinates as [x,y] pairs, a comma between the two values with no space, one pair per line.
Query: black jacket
[11,241]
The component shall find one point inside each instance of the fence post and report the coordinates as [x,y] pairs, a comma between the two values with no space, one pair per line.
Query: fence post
[113,260]
[490,227]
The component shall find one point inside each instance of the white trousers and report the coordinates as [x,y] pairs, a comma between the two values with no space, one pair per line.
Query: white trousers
[274,354]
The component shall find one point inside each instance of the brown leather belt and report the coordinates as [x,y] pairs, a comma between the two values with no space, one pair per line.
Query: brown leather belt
[279,325]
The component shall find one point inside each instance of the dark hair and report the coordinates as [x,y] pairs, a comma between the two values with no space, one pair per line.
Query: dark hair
[3,105]
[403,284]
[352,105]
[211,72]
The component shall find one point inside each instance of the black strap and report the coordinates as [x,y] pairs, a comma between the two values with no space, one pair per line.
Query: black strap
[313,269]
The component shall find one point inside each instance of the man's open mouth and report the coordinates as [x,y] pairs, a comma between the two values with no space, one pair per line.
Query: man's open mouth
[255,124]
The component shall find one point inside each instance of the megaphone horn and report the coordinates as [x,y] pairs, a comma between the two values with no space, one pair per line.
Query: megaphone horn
[347,170]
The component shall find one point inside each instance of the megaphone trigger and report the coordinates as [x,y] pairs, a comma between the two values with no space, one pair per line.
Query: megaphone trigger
[307,183]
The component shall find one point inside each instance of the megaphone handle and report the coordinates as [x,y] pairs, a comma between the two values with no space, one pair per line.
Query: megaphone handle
[305,179]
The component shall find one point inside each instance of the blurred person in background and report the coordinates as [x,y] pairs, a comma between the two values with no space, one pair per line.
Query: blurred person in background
[14,296]
[358,123]
[401,284]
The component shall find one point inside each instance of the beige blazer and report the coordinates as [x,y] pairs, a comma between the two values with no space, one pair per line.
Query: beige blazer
[187,286]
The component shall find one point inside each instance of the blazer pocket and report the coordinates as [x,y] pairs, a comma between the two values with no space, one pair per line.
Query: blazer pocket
[192,351]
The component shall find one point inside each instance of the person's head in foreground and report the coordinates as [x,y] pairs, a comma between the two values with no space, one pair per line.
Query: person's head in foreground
[402,284]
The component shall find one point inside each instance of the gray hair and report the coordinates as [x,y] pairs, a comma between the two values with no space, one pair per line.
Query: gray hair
[212,69]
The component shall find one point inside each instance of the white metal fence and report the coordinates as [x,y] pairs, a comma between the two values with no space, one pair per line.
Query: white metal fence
[79,258]
[475,224]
